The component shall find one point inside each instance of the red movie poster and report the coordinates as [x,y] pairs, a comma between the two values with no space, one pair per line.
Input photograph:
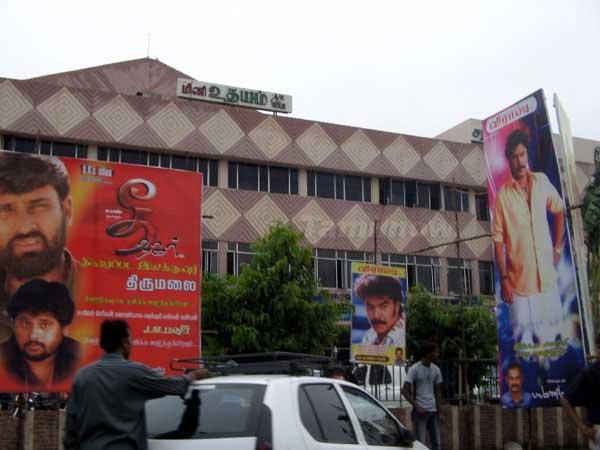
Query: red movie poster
[125,242]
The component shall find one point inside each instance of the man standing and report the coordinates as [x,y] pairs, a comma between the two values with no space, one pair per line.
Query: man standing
[35,209]
[525,251]
[515,397]
[422,390]
[39,353]
[106,407]
[382,297]
[584,390]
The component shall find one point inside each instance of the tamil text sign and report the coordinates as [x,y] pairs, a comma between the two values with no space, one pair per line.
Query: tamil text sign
[249,98]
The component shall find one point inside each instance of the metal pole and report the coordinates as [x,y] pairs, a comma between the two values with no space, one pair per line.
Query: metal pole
[375,242]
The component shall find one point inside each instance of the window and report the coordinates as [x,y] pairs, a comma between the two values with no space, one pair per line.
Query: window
[460,280]
[486,278]
[409,193]
[27,145]
[341,187]
[223,410]
[238,255]
[208,167]
[379,427]
[333,268]
[274,179]
[323,414]
[481,207]
[420,270]
[210,257]
[456,199]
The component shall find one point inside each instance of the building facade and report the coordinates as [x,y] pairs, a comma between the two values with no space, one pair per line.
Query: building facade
[356,194]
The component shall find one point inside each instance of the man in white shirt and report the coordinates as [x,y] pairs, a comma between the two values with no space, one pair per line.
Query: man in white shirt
[422,390]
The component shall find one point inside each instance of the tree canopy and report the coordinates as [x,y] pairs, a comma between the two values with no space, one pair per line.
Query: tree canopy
[271,306]
[467,328]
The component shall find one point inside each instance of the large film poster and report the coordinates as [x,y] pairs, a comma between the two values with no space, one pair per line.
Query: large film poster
[379,320]
[98,240]
[539,330]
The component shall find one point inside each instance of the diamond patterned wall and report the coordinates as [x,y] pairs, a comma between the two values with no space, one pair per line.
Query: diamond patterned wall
[13,104]
[63,111]
[205,129]
[270,137]
[118,118]
[222,131]
[171,124]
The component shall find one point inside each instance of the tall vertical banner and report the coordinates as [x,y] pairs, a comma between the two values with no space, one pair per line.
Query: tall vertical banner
[111,241]
[378,333]
[539,322]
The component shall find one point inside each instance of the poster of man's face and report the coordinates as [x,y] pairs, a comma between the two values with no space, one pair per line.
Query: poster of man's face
[123,240]
[378,322]
[35,209]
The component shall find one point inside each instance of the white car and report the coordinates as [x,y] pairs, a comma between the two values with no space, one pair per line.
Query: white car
[274,412]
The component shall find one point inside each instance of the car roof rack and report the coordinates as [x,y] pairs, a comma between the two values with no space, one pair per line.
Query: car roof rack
[287,363]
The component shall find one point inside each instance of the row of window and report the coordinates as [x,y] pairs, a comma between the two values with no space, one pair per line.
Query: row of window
[333,268]
[26,145]
[274,179]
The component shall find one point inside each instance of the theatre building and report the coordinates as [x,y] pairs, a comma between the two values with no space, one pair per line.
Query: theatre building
[356,194]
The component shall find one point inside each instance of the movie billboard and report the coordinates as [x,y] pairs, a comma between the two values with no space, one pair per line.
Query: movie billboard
[82,241]
[539,325]
[379,319]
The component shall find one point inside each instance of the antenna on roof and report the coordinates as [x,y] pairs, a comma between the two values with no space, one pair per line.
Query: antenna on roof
[148,54]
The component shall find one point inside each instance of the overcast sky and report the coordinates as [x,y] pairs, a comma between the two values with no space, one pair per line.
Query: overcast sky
[408,66]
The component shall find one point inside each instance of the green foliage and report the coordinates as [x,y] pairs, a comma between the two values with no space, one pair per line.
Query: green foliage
[456,328]
[271,305]
[591,228]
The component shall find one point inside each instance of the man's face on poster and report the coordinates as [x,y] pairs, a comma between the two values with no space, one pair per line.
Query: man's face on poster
[33,231]
[38,335]
[519,162]
[383,313]
[514,379]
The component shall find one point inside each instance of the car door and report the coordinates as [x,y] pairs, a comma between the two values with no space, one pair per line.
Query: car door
[324,421]
[379,428]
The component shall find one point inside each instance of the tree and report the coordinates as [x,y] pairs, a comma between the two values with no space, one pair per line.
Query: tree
[591,228]
[271,306]
[470,328]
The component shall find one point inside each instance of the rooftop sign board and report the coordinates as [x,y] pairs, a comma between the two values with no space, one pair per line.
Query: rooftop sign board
[230,95]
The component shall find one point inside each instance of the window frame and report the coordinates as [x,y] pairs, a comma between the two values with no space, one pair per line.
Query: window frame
[411,264]
[44,147]
[464,265]
[233,257]
[264,177]
[340,186]
[210,256]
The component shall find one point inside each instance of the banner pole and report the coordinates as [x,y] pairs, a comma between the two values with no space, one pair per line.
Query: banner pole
[576,226]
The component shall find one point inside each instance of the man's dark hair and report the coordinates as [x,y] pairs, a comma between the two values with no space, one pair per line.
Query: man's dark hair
[22,172]
[378,286]
[514,139]
[112,333]
[40,296]
[428,347]
[515,365]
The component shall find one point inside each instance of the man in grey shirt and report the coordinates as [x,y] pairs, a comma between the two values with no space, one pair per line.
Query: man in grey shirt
[422,390]
[106,407]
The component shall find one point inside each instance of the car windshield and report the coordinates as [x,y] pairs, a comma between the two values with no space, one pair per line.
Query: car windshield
[207,411]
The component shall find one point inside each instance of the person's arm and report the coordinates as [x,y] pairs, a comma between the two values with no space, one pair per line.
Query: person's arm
[559,229]
[506,291]
[588,432]
[506,288]
[155,385]
[407,391]
[70,436]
